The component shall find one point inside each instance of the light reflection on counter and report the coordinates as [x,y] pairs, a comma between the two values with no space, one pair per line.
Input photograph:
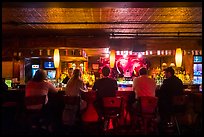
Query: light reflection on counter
[89,89]
[125,89]
[125,82]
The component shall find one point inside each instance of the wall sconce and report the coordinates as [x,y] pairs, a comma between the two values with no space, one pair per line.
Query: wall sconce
[164,64]
[40,52]
[48,52]
[19,54]
[56,58]
[112,58]
[172,65]
[178,57]
[73,66]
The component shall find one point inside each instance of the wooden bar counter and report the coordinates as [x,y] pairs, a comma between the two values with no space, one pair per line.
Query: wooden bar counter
[127,94]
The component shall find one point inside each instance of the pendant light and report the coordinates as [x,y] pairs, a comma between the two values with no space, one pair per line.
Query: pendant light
[178,57]
[56,58]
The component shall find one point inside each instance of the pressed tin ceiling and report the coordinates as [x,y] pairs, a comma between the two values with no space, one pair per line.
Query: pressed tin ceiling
[91,18]
[106,19]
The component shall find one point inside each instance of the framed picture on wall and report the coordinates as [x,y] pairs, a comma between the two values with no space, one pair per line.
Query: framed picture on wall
[95,66]
[7,69]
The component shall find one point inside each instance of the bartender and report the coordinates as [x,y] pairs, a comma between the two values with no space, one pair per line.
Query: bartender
[66,79]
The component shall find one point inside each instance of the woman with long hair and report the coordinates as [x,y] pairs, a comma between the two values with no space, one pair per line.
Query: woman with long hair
[75,84]
[75,87]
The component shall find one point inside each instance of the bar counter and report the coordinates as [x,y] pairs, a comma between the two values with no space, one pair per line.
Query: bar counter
[126,93]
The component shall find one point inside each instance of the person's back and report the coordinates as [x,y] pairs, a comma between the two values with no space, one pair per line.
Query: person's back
[172,86]
[37,86]
[75,85]
[104,87]
[144,86]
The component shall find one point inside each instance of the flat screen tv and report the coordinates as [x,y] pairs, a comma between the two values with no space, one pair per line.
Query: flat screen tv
[51,74]
[197,69]
[197,59]
[49,65]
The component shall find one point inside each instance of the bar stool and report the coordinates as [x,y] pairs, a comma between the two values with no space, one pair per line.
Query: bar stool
[8,115]
[148,112]
[71,112]
[90,118]
[34,110]
[112,111]
[179,108]
[90,115]
[198,110]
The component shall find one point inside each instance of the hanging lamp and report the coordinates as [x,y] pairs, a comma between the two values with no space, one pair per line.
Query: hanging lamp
[56,58]
[178,57]
[112,58]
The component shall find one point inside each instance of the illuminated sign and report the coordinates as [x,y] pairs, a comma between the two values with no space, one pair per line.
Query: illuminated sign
[35,66]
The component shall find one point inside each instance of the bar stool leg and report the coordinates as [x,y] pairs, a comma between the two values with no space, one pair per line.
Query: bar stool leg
[145,126]
[177,125]
[106,124]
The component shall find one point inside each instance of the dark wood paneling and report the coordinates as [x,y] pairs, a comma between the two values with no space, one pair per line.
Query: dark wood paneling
[16,69]
[98,42]
[32,46]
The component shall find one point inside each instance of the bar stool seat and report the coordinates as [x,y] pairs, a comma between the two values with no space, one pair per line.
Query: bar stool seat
[9,104]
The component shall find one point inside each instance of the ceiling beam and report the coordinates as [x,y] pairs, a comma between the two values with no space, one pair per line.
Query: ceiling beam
[118,22]
[99,4]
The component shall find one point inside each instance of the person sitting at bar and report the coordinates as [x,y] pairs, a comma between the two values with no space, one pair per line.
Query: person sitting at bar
[74,87]
[143,86]
[38,85]
[104,87]
[172,86]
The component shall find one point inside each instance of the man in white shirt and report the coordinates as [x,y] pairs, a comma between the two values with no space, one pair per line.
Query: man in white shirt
[142,85]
